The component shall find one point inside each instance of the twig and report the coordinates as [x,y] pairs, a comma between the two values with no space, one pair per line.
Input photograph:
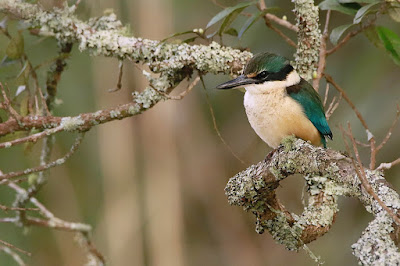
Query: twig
[370,136]
[120,73]
[31,138]
[350,35]
[363,178]
[92,248]
[7,104]
[389,133]
[38,90]
[77,3]
[14,247]
[268,17]
[6,208]
[347,99]
[326,94]
[216,126]
[52,164]
[322,52]
[53,222]
[184,93]
[333,106]
[14,255]
[348,134]
[54,75]
[384,166]
[8,220]
[276,19]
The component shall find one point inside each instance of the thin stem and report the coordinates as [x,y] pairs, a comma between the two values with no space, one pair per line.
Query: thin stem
[322,52]
[216,126]
[46,166]
[268,17]
[364,181]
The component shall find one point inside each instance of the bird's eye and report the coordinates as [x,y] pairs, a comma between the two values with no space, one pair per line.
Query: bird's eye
[262,75]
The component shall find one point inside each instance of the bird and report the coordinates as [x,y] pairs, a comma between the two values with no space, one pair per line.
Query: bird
[280,103]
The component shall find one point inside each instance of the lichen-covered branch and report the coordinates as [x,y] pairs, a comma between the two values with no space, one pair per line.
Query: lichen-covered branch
[107,37]
[308,37]
[328,174]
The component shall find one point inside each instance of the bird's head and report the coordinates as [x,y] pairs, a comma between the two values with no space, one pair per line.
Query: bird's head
[263,72]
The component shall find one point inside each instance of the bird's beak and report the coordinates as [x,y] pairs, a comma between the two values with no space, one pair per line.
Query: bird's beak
[237,82]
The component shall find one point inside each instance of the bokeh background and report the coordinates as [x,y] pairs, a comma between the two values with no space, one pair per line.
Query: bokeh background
[152,186]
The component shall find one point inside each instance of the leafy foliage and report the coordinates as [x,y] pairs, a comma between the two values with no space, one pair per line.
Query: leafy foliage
[391,42]
[360,10]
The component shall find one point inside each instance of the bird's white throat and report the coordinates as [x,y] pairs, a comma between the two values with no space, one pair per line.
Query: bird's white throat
[291,79]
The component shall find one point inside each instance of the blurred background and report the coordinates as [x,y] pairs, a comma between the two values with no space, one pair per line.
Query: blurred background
[152,186]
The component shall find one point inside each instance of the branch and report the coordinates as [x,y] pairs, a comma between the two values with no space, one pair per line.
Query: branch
[47,166]
[308,38]
[268,17]
[107,37]
[328,174]
[277,20]
[351,35]
[322,53]
[370,136]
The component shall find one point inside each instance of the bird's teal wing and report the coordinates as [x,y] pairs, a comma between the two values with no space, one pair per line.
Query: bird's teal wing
[309,99]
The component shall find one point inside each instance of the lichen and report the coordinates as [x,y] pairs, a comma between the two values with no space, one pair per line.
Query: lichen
[71,123]
[288,142]
[106,36]
[283,233]
[147,98]
[308,37]
[375,245]
[7,144]
[115,113]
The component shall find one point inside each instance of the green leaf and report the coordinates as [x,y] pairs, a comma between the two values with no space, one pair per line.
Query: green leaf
[394,11]
[177,34]
[229,19]
[247,25]
[335,5]
[15,47]
[231,31]
[190,40]
[391,42]
[358,1]
[373,37]
[224,13]
[365,10]
[209,36]
[338,32]
[6,61]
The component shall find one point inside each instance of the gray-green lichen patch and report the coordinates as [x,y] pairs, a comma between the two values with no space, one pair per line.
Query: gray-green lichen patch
[147,98]
[319,215]
[288,143]
[375,247]
[242,189]
[309,37]
[283,233]
[71,123]
[106,36]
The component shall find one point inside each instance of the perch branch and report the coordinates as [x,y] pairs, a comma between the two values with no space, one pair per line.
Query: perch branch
[328,174]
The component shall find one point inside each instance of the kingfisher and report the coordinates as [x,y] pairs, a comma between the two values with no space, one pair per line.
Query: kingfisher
[279,103]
